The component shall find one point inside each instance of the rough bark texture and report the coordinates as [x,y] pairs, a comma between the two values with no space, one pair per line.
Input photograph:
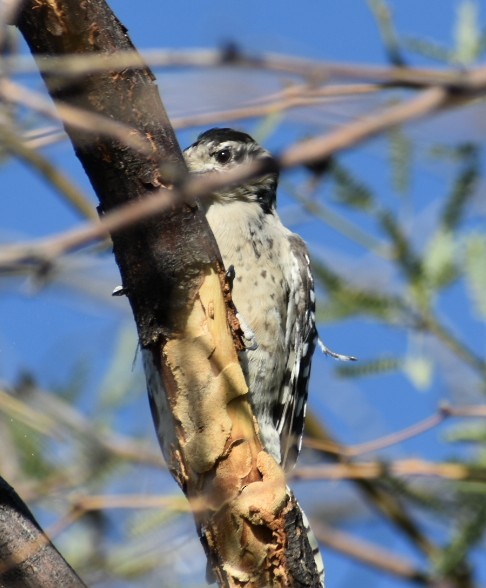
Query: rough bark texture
[173,276]
[118,174]
[27,558]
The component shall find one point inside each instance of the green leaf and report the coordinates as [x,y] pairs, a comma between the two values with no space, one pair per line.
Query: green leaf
[377,366]
[267,126]
[475,271]
[469,533]
[402,246]
[31,450]
[463,187]
[383,16]
[467,35]
[345,300]
[438,261]
[348,190]
[466,433]
[400,159]
[419,369]
[427,49]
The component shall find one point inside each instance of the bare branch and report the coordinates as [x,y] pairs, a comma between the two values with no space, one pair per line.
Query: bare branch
[383,501]
[426,102]
[312,71]
[445,411]
[71,193]
[28,559]
[369,554]
[306,152]
[78,118]
[404,467]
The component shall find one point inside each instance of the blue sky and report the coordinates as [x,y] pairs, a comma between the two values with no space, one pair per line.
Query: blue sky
[43,328]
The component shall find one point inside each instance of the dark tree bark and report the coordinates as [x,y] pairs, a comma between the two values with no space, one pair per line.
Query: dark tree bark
[118,174]
[174,278]
[27,558]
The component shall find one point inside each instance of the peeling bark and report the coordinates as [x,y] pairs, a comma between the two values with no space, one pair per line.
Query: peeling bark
[174,278]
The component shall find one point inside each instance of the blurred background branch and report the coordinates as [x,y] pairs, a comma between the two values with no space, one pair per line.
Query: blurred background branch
[393,211]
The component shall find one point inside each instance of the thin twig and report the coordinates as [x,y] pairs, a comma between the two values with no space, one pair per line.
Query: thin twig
[311,70]
[287,99]
[51,173]
[367,553]
[382,499]
[86,503]
[80,505]
[344,226]
[445,411]
[405,467]
[322,147]
[305,152]
[290,98]
[444,335]
[76,117]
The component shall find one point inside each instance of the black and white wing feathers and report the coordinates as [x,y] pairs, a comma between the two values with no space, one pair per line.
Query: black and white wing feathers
[289,415]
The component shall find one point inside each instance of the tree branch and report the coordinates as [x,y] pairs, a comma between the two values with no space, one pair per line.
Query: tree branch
[312,71]
[444,412]
[174,279]
[27,558]
[404,467]
[369,554]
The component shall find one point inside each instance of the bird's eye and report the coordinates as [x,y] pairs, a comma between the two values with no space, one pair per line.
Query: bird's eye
[222,156]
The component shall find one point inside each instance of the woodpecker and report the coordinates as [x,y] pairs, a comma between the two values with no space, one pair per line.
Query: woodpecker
[273,288]
[273,291]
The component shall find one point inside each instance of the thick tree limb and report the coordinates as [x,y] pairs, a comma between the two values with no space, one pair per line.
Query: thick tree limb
[27,558]
[174,278]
